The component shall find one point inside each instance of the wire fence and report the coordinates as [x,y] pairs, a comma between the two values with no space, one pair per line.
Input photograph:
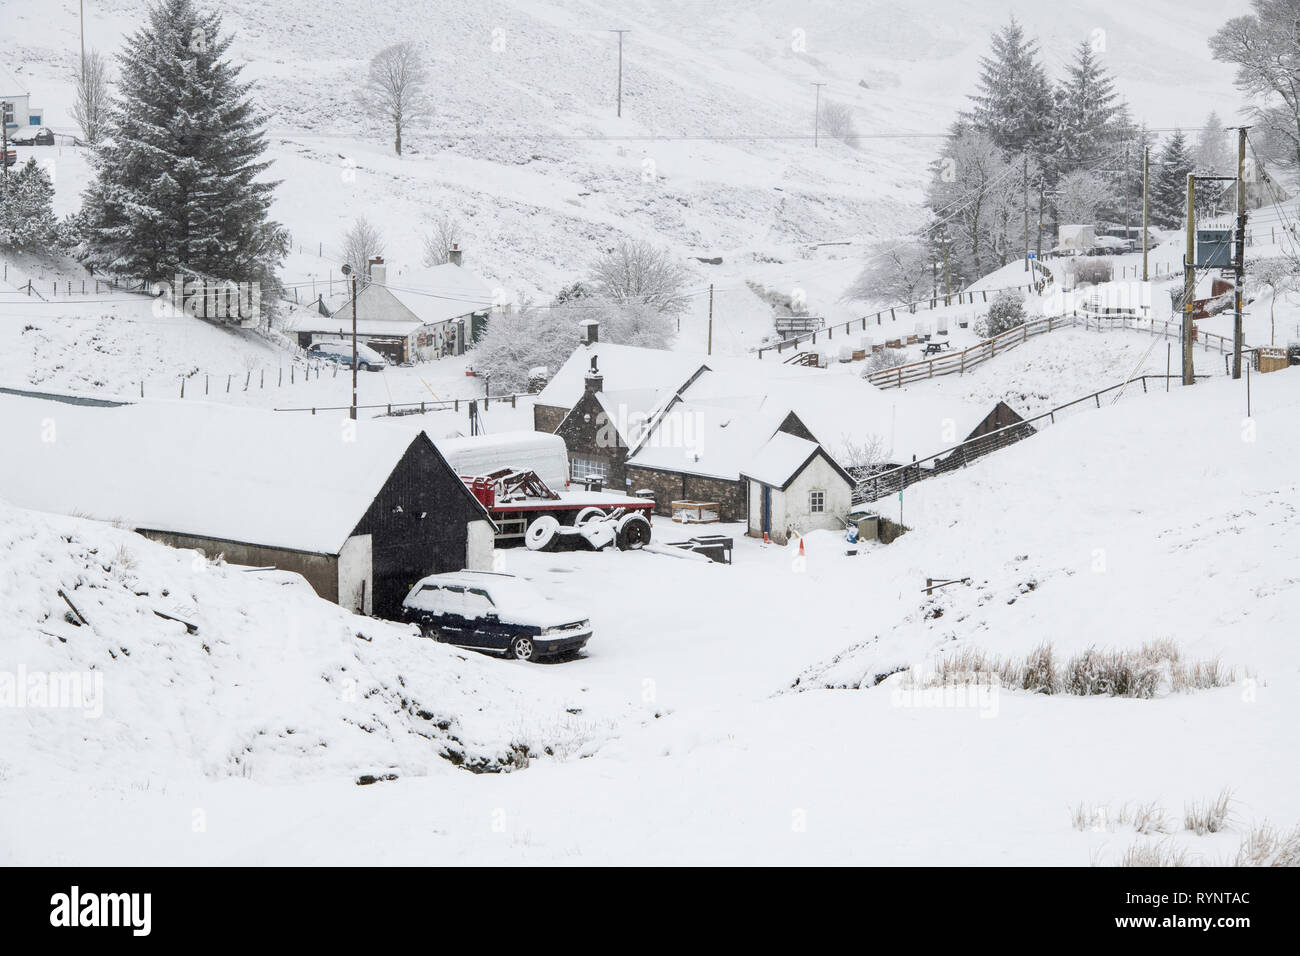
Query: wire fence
[874,486]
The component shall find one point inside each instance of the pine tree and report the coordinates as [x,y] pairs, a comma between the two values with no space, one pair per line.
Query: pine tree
[1014,104]
[1168,190]
[27,208]
[177,185]
[1087,111]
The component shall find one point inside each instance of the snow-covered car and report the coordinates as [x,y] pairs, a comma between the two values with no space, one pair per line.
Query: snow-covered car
[368,360]
[496,613]
[33,137]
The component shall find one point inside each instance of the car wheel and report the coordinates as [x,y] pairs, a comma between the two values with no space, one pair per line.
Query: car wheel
[521,648]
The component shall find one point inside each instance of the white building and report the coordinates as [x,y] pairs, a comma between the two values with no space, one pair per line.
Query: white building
[795,487]
[16,104]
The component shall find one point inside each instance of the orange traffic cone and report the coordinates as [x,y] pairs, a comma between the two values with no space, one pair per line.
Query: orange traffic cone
[766,539]
[801,554]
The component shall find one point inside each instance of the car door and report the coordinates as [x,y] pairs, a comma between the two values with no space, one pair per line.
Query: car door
[490,631]
[455,627]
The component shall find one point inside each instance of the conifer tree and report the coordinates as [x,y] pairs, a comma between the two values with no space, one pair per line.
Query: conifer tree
[1168,190]
[1014,102]
[179,184]
[27,208]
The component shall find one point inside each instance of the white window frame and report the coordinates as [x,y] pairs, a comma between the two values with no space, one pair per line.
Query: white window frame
[817,502]
[589,466]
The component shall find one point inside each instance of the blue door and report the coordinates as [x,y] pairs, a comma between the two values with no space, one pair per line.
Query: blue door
[767,510]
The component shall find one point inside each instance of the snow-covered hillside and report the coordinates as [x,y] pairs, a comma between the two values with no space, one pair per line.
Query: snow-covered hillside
[711,155]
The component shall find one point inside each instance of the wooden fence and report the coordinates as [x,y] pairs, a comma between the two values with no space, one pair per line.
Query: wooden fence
[907,308]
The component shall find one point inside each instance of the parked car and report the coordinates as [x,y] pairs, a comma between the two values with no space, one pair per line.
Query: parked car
[368,360]
[496,613]
[33,137]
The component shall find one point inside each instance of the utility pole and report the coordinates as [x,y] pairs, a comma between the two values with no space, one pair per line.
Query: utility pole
[620,68]
[1189,281]
[1040,217]
[1025,176]
[1128,225]
[1146,181]
[817,114]
[710,352]
[4,142]
[82,6]
[1240,264]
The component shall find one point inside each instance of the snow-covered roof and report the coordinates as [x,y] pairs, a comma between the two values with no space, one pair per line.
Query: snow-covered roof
[625,368]
[711,440]
[541,452]
[438,293]
[341,324]
[780,459]
[259,477]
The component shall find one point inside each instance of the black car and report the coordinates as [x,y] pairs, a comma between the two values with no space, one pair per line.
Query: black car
[496,613]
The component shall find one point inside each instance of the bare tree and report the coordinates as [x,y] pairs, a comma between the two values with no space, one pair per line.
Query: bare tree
[1263,46]
[970,193]
[361,243]
[636,271]
[1079,197]
[90,98]
[1279,274]
[398,87]
[899,274]
[837,121]
[444,232]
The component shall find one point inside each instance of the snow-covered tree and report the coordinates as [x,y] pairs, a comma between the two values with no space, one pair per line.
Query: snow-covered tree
[1080,196]
[836,121]
[179,173]
[1006,311]
[1168,189]
[902,272]
[1279,275]
[972,187]
[444,232]
[521,339]
[636,271]
[398,87]
[90,97]
[1014,101]
[27,208]
[361,243]
[1087,108]
[1213,153]
[1264,46]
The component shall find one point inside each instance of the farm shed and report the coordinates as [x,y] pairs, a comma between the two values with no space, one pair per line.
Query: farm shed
[361,510]
[795,487]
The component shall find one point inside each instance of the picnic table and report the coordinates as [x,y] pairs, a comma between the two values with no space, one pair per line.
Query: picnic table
[934,348]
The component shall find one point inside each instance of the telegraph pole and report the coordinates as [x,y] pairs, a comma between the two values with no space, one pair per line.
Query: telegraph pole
[1240,265]
[1025,176]
[620,68]
[817,114]
[1146,181]
[710,352]
[1189,281]
[82,6]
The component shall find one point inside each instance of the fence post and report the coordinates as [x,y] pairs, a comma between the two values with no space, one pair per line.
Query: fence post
[228,384]
[182,386]
[205,383]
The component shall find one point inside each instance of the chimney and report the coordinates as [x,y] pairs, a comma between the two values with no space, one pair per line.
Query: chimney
[378,272]
[594,382]
[455,255]
[590,331]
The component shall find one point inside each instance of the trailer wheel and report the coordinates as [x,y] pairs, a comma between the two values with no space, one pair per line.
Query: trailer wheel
[542,533]
[586,514]
[633,532]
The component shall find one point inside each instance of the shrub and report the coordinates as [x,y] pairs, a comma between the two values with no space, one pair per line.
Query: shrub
[1093,271]
[886,358]
[1266,846]
[1006,311]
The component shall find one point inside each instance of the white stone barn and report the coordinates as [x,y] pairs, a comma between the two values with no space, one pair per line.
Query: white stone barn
[795,487]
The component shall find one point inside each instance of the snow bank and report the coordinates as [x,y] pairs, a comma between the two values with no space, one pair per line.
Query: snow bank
[274,684]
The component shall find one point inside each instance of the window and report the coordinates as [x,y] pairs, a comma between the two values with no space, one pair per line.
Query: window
[581,468]
[816,502]
[7,109]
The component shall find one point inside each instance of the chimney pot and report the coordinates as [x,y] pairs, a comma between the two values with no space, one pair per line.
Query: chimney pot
[455,255]
[590,331]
